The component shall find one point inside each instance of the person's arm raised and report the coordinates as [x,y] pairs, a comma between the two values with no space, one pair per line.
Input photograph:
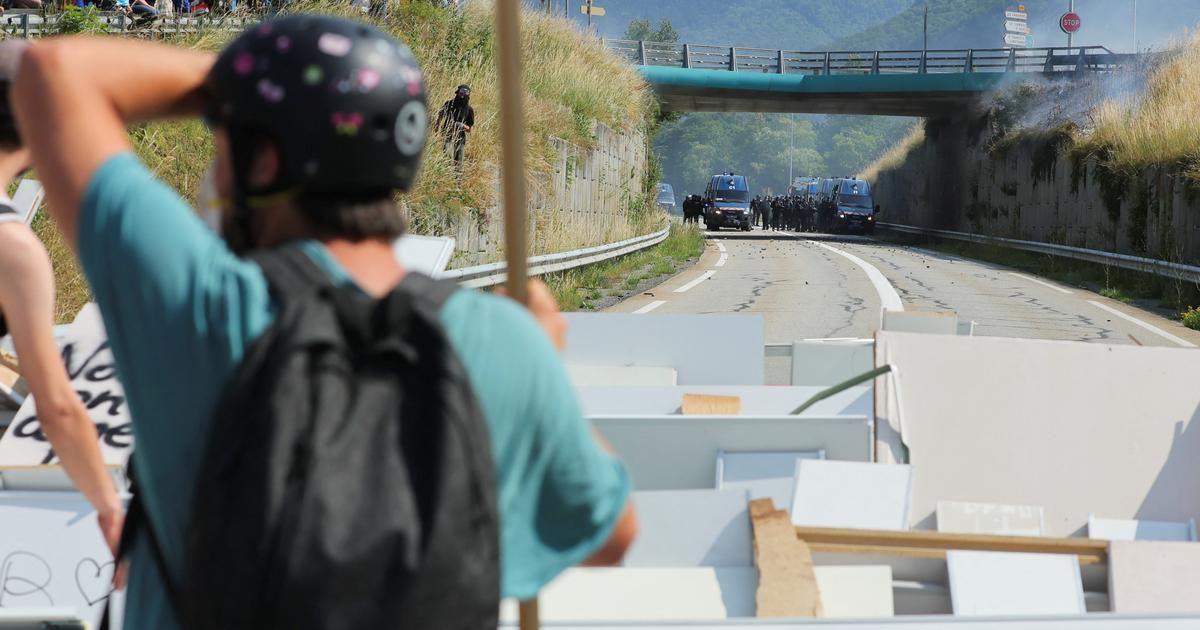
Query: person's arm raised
[73,105]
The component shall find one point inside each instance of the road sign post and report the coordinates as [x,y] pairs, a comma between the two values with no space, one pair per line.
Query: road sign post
[1070,24]
[1016,28]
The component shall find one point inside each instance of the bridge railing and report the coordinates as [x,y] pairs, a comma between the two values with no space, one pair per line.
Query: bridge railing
[771,61]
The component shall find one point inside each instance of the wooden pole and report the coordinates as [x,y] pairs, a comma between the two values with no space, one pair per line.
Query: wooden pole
[512,138]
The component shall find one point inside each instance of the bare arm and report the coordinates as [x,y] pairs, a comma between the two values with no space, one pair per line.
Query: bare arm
[27,292]
[58,79]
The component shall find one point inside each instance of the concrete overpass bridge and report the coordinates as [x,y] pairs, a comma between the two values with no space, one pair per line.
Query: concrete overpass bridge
[700,78]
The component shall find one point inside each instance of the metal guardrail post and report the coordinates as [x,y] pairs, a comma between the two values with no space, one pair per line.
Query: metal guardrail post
[1081,64]
[826,69]
[781,68]
[970,65]
[25,26]
[687,55]
[1049,67]
[875,63]
[642,53]
[924,56]
[1012,60]
[732,59]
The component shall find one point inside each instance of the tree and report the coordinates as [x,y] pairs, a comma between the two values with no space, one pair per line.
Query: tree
[640,30]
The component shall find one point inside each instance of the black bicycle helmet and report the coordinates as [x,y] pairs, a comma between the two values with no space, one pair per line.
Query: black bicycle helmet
[342,101]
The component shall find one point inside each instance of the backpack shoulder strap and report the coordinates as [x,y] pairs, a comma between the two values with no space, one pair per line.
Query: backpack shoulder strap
[290,271]
[434,293]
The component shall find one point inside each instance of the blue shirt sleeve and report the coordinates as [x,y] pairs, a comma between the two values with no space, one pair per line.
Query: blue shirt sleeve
[559,495]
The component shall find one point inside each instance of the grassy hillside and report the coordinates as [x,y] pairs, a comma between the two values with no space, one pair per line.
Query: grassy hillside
[569,81]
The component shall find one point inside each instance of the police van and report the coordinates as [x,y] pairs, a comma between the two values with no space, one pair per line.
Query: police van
[854,206]
[727,202]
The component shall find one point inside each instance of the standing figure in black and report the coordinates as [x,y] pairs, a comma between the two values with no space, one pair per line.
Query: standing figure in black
[456,119]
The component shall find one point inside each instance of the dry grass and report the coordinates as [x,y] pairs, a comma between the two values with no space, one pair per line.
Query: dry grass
[570,80]
[896,155]
[1161,128]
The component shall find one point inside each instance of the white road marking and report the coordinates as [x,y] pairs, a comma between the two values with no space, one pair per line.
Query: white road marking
[1154,329]
[649,307]
[720,246]
[1045,284]
[691,285]
[888,298]
[722,260]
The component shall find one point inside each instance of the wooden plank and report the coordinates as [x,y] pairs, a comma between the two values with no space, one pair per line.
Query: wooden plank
[710,405]
[916,543]
[787,584]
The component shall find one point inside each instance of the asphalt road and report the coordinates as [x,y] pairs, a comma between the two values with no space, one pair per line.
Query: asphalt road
[810,286]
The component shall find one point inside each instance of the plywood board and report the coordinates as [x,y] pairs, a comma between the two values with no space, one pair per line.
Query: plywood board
[615,376]
[851,495]
[709,405]
[680,453]
[821,364]
[691,528]
[1155,577]
[994,583]
[1129,529]
[962,517]
[645,594]
[856,592]
[703,349]
[764,474]
[756,401]
[1050,423]
[787,585]
[52,553]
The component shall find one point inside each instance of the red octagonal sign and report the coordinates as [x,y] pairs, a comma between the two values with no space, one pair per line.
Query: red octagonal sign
[1070,23]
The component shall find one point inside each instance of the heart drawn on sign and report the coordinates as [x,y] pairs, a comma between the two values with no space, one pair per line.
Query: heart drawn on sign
[94,580]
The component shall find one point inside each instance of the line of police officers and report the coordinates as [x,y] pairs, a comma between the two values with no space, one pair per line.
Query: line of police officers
[801,212]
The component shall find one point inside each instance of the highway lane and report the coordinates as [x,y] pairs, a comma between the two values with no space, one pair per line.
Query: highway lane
[805,289]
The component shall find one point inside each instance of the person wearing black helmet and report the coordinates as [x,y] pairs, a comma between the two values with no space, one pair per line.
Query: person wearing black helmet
[455,119]
[317,123]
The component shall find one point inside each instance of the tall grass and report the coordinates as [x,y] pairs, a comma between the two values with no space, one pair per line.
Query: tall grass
[1163,126]
[896,155]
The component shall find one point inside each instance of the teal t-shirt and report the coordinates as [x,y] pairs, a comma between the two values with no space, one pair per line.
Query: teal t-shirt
[181,311]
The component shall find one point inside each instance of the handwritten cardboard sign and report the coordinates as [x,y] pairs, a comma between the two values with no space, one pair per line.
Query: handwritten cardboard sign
[92,370]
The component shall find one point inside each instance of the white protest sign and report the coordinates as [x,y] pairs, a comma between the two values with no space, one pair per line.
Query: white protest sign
[92,370]
[52,554]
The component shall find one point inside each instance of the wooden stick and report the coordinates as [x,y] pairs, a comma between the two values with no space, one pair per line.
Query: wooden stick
[512,172]
[512,137]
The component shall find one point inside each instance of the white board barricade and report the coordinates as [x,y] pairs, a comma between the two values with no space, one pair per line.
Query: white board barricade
[764,474]
[851,494]
[425,254]
[691,528]
[1132,529]
[680,452]
[52,554]
[824,363]
[964,517]
[703,349]
[92,370]
[995,583]
[756,401]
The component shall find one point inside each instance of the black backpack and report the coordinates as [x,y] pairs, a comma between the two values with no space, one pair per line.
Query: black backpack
[349,481]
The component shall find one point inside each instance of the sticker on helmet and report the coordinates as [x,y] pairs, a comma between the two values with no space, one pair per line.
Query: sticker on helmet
[270,92]
[368,79]
[313,74]
[243,64]
[347,123]
[283,43]
[334,44]
[411,126]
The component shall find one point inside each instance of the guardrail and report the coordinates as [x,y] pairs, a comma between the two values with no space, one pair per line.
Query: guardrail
[1174,271]
[495,273]
[764,60]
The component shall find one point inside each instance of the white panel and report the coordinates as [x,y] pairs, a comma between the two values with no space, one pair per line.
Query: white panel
[704,349]
[856,592]
[826,363]
[1050,423]
[960,517]
[52,553]
[424,254]
[992,583]
[680,452]
[613,376]
[692,528]
[851,494]
[928,322]
[92,370]
[1154,576]
[765,474]
[1129,529]
[704,593]
[756,401]
[943,622]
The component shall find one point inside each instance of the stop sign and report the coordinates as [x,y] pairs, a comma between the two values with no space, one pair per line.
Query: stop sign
[1070,23]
